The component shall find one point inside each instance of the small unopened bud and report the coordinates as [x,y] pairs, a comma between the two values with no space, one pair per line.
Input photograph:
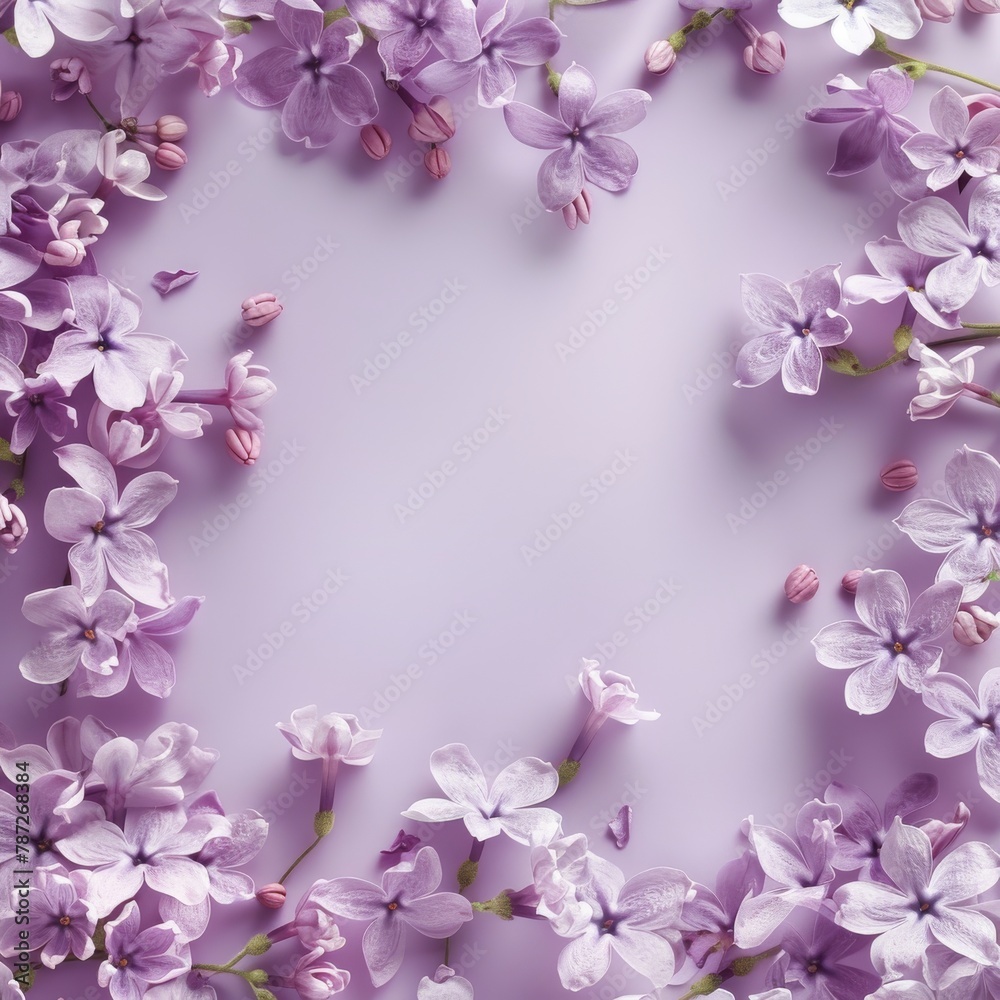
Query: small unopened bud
[936,10]
[467,872]
[801,584]
[973,625]
[259,310]
[438,162]
[271,895]
[243,445]
[850,581]
[766,54]
[433,121]
[171,128]
[981,102]
[10,105]
[943,833]
[578,210]
[13,526]
[983,6]
[64,253]
[899,475]
[660,57]
[170,156]
[376,141]
[70,77]
[323,822]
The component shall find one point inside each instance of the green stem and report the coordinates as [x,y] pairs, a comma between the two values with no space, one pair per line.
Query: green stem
[891,360]
[981,326]
[298,860]
[966,340]
[107,125]
[917,67]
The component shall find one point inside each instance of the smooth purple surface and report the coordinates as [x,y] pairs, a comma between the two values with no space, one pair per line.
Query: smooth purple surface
[565,357]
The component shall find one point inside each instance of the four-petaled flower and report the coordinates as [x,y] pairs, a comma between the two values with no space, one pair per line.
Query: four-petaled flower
[138,959]
[855,23]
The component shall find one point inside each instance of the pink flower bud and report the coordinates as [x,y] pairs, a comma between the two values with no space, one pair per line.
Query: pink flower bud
[259,310]
[433,121]
[271,895]
[376,141]
[64,253]
[243,445]
[13,525]
[973,625]
[10,105]
[438,163]
[937,10]
[801,584]
[850,581]
[660,57]
[983,6]
[170,156]
[981,102]
[578,210]
[766,54]
[899,475]
[171,128]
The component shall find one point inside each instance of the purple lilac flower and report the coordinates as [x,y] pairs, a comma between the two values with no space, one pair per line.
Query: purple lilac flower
[509,806]
[818,966]
[141,655]
[127,171]
[800,866]
[933,226]
[312,977]
[557,869]
[922,904]
[797,320]
[247,389]
[156,847]
[901,271]
[77,632]
[103,527]
[877,130]
[854,26]
[18,263]
[407,29]
[964,528]
[585,148]
[969,723]
[960,145]
[444,986]
[505,40]
[35,19]
[942,382]
[313,924]
[70,745]
[139,959]
[313,78]
[708,918]
[891,642]
[406,899]
[10,988]
[862,830]
[637,920]
[103,341]
[62,919]
[38,404]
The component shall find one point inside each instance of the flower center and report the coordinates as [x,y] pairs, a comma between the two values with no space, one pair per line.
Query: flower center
[122,962]
[90,634]
[812,968]
[64,921]
[986,530]
[43,845]
[98,527]
[35,399]
[960,154]
[805,331]
[393,906]
[898,647]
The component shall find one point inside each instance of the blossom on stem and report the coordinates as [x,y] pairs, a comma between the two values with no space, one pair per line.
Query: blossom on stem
[854,26]
[312,977]
[940,382]
[138,959]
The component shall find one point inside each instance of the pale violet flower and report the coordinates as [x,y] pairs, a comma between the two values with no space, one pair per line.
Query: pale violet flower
[940,382]
[892,642]
[509,807]
[445,985]
[126,171]
[854,25]
[964,528]
[137,959]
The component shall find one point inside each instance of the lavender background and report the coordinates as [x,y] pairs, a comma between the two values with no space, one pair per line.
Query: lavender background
[440,629]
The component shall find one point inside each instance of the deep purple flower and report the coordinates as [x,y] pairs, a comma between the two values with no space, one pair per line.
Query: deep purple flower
[966,527]
[796,320]
[406,898]
[861,832]
[877,130]
[854,25]
[509,806]
[77,632]
[313,78]
[921,904]
[960,145]
[893,639]
[103,527]
[586,149]
[38,404]
[138,959]
[408,28]
[933,226]
[505,40]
